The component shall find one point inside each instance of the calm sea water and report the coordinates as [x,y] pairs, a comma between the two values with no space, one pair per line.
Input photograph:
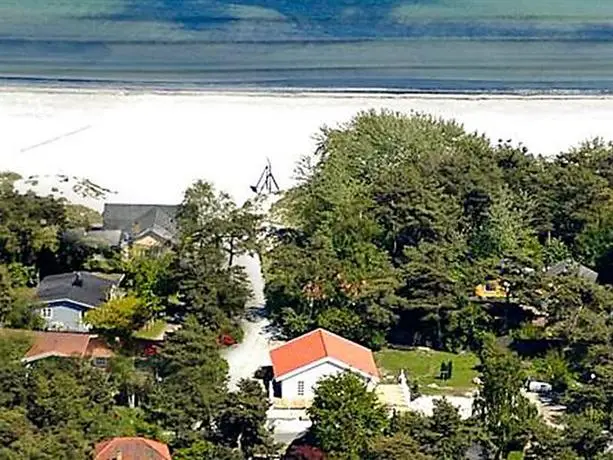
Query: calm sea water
[395,45]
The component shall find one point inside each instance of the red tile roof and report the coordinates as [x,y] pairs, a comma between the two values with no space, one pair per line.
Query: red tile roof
[65,344]
[131,449]
[320,344]
[97,348]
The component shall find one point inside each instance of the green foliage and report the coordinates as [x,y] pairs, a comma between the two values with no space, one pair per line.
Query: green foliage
[79,216]
[447,436]
[553,368]
[121,316]
[389,219]
[7,180]
[396,447]
[584,434]
[206,450]
[242,422]
[126,421]
[343,322]
[443,436]
[67,391]
[502,410]
[29,226]
[213,233]
[506,231]
[133,384]
[549,443]
[58,408]
[555,251]
[150,278]
[193,383]
[17,302]
[467,326]
[346,416]
[515,456]
[6,294]
[13,345]
[578,311]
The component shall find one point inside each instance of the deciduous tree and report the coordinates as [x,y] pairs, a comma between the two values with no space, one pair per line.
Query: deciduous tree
[346,416]
[502,410]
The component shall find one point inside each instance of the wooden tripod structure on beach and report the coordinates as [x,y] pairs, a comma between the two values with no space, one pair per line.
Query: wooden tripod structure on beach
[267,182]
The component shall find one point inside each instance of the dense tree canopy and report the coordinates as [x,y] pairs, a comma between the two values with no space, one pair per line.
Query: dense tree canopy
[214,232]
[401,229]
[395,219]
[58,408]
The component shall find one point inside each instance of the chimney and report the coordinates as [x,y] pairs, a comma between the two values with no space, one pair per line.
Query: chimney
[78,279]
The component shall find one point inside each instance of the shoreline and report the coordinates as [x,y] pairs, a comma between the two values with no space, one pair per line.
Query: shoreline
[117,89]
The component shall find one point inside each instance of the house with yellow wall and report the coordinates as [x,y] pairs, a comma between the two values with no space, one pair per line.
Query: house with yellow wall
[144,226]
[492,289]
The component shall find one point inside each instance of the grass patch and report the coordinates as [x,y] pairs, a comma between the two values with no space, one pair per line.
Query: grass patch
[152,330]
[424,366]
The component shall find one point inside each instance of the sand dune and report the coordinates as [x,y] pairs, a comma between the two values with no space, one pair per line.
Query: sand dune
[149,147]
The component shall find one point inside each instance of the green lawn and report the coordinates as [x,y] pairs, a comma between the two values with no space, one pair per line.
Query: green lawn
[151,331]
[424,366]
[515,456]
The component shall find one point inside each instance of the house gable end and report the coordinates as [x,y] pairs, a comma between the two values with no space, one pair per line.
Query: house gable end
[326,360]
[67,303]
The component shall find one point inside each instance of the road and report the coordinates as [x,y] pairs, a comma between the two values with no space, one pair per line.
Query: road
[245,358]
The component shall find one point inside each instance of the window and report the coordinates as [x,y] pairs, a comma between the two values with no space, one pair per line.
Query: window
[46,313]
[300,387]
[101,362]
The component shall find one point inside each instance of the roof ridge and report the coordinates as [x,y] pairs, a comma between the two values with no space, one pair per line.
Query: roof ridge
[323,341]
[105,447]
[150,443]
[343,338]
[295,339]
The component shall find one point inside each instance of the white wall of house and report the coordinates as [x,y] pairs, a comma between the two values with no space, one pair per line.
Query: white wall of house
[308,379]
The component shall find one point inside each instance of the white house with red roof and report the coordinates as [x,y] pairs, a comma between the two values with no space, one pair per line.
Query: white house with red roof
[299,364]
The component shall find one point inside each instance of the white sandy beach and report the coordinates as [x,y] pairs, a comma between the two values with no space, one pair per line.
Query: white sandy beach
[149,147]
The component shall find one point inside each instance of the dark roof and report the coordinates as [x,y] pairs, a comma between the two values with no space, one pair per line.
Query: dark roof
[92,291]
[571,267]
[135,219]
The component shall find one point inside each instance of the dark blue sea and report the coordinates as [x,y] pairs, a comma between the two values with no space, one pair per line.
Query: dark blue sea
[457,46]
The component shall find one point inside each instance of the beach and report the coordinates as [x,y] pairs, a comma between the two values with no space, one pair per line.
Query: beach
[148,147]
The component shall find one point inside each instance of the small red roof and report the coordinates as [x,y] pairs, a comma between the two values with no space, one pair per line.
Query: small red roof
[320,344]
[131,449]
[65,344]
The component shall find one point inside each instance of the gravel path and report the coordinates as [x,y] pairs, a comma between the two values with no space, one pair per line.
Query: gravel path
[245,358]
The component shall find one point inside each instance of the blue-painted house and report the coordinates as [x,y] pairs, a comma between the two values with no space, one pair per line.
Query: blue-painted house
[68,296]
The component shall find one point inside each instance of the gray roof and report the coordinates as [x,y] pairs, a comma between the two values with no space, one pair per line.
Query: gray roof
[571,267]
[137,219]
[92,291]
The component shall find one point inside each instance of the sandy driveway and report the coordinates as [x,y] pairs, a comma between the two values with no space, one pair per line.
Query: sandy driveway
[252,353]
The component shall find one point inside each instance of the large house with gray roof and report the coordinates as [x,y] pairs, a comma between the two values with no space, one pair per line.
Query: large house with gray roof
[68,296]
[143,225]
